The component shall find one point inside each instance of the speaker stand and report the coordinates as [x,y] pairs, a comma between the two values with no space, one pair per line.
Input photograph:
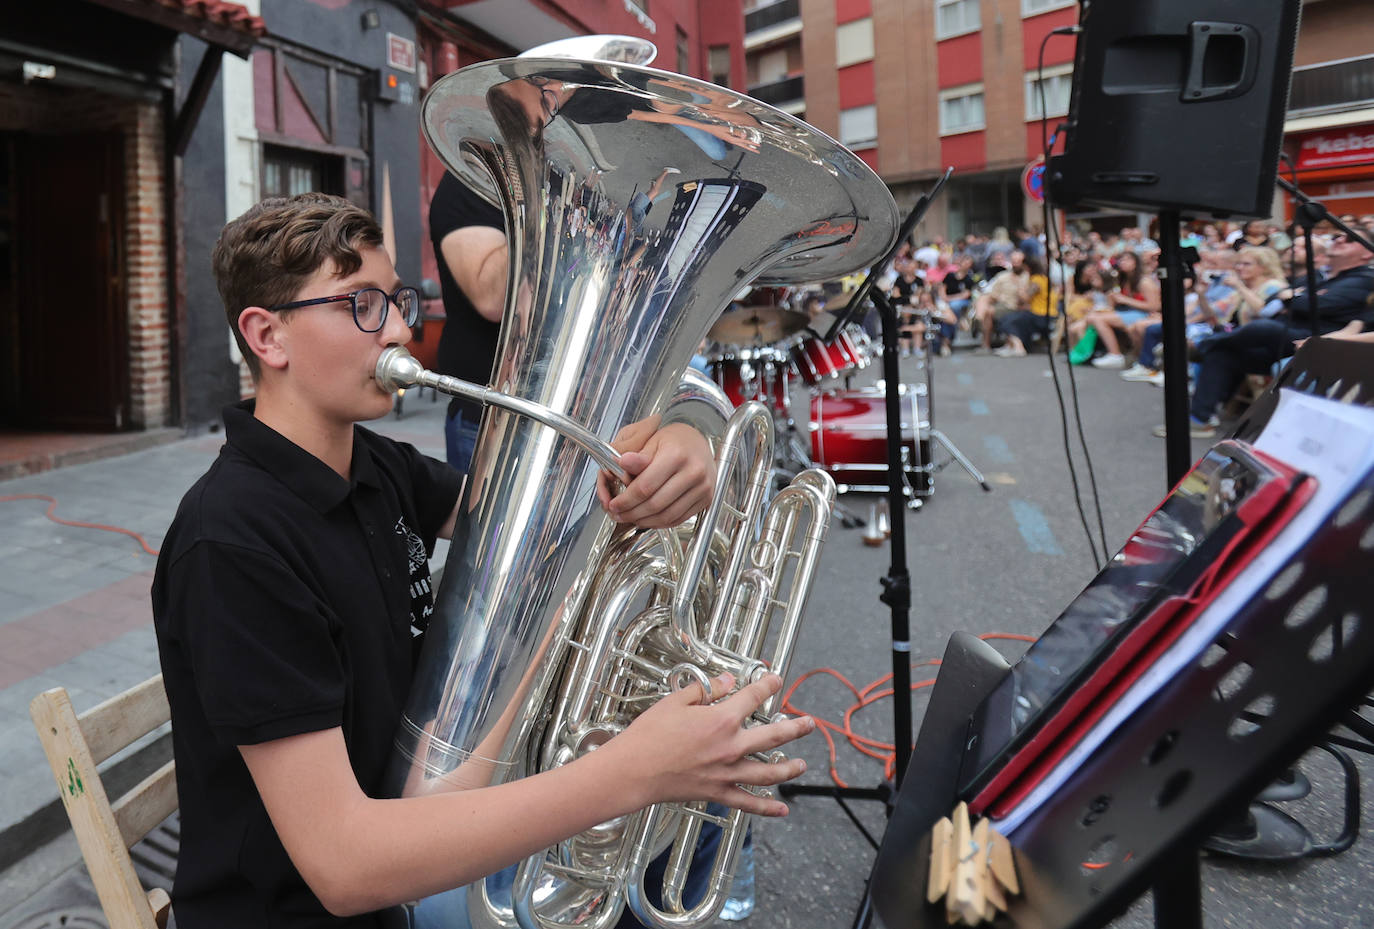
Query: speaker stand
[1178,449]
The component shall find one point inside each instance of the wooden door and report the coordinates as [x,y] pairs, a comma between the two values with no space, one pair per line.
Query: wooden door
[72,332]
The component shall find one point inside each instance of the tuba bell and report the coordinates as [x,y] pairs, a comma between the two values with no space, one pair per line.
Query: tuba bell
[636,203]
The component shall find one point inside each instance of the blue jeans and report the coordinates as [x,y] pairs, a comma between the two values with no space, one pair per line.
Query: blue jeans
[1154,334]
[1026,325]
[460,438]
[1254,348]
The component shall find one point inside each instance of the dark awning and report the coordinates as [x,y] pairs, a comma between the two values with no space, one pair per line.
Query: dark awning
[229,26]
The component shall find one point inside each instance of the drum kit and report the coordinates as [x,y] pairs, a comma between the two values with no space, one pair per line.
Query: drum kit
[763,352]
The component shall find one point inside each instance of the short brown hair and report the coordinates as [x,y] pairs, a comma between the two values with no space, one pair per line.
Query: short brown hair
[264,257]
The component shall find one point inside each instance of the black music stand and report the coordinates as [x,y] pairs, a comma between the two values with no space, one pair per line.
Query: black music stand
[1179,766]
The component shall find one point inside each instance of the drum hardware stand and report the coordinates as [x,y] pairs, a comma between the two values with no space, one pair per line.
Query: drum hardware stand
[896,584]
[791,458]
[935,434]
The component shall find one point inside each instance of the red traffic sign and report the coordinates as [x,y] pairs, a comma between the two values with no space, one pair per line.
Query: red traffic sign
[1033,180]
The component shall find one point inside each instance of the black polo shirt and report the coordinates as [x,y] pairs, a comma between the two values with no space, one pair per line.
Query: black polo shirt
[283,601]
[1341,299]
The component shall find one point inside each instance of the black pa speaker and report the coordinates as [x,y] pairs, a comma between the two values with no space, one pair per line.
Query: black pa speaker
[1177,105]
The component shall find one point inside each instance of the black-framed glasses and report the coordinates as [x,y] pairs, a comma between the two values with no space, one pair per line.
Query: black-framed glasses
[549,101]
[369,306]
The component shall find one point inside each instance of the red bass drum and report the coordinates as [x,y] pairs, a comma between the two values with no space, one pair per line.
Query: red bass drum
[849,439]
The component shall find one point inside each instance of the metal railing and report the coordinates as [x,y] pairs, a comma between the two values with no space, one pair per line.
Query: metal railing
[775,93]
[764,16]
[1332,85]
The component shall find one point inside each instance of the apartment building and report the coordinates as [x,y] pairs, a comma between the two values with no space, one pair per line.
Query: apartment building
[1329,132]
[914,86]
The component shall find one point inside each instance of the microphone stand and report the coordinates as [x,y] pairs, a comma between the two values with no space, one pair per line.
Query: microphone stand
[1178,449]
[897,583]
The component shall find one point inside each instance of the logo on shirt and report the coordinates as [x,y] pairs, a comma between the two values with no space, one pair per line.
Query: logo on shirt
[421,595]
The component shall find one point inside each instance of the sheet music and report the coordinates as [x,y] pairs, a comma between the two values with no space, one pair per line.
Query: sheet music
[1332,441]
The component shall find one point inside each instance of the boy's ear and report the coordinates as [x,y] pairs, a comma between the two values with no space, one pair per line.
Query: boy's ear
[263,333]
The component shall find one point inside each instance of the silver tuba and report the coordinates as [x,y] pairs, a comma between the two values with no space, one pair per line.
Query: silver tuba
[636,203]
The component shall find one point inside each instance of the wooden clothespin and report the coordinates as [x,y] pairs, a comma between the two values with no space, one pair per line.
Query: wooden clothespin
[971,868]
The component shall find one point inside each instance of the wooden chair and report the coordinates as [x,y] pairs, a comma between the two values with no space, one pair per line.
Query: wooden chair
[75,745]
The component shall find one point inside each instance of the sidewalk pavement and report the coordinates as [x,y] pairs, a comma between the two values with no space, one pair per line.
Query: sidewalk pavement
[75,612]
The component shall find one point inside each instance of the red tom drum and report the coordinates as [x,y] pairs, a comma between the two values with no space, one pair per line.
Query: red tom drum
[849,438]
[818,362]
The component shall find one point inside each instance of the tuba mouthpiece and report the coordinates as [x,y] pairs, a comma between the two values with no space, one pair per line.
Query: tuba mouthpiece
[397,368]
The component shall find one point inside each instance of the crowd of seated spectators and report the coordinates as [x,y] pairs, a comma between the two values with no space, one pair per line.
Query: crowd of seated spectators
[1247,300]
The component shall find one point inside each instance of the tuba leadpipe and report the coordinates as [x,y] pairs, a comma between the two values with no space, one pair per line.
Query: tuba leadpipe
[636,203]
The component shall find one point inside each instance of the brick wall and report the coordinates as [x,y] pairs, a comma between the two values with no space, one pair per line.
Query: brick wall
[1004,101]
[1334,29]
[145,236]
[818,54]
[147,308]
[908,142]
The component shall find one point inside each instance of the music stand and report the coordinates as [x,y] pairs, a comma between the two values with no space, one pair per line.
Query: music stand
[1157,787]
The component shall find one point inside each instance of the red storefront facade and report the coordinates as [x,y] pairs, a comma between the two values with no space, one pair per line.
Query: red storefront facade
[1335,166]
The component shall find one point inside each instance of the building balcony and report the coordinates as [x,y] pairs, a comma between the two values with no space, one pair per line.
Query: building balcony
[764,25]
[777,93]
[1332,86]
[769,15]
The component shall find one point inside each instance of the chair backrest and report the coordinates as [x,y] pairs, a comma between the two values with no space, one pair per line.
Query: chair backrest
[105,830]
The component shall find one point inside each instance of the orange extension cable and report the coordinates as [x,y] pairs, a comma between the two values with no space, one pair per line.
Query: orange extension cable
[865,697]
[52,507]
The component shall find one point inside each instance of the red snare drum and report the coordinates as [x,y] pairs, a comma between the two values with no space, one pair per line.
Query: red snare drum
[761,376]
[849,439]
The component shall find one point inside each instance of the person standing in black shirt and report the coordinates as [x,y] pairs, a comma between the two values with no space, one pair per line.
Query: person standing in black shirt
[289,594]
[468,235]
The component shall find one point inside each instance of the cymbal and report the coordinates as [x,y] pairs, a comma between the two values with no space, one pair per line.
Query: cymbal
[751,324]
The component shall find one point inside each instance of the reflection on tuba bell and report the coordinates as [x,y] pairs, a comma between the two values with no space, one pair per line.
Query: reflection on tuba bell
[636,203]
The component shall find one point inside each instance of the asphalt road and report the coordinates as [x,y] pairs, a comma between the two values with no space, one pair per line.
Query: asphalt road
[1005,561]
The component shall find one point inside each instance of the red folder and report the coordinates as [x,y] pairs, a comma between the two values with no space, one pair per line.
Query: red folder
[1261,515]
